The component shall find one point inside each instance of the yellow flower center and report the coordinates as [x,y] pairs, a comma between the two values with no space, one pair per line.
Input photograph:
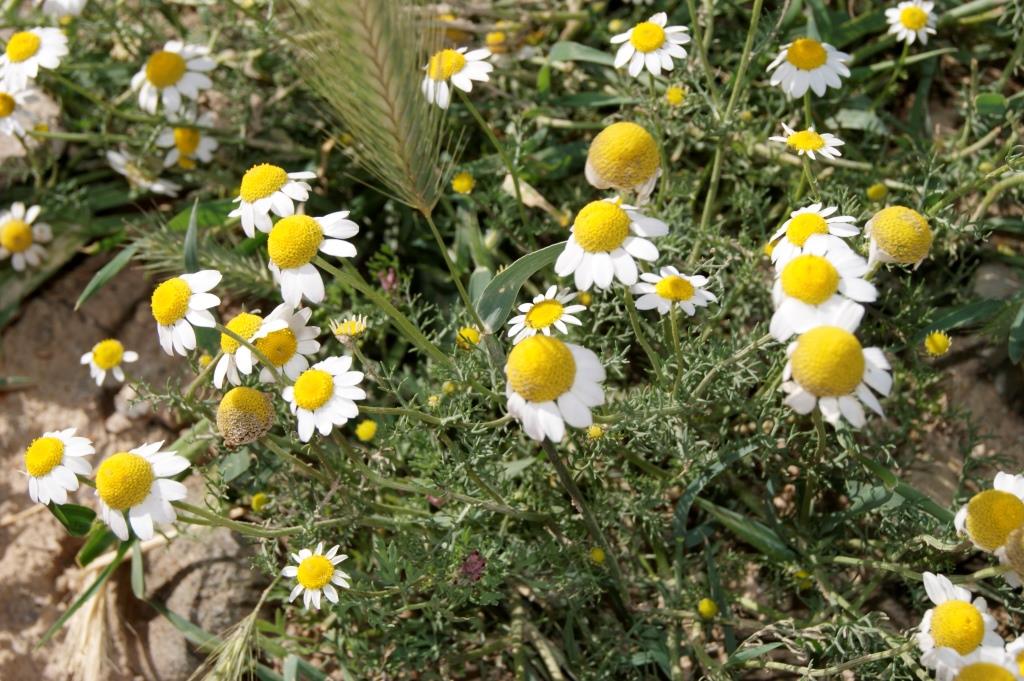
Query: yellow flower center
[107,354]
[463,183]
[262,181]
[278,346]
[366,429]
[902,233]
[294,241]
[245,325]
[186,140]
[315,572]
[7,105]
[1020,663]
[984,671]
[674,288]
[313,388]
[806,140]
[16,235]
[828,361]
[350,328]
[22,45]
[541,368]
[170,301]
[601,226]
[445,64]
[244,415]
[624,155]
[675,95]
[164,69]
[913,18]
[43,455]
[124,480]
[810,278]
[957,625]
[991,516]
[806,54]
[937,343]
[803,226]
[647,36]
[544,314]
[467,337]
[877,191]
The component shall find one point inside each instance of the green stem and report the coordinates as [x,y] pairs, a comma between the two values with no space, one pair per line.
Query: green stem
[709,202]
[674,318]
[454,273]
[994,193]
[702,54]
[400,411]
[732,360]
[884,94]
[300,465]
[808,111]
[634,320]
[748,46]
[202,375]
[810,470]
[813,183]
[278,376]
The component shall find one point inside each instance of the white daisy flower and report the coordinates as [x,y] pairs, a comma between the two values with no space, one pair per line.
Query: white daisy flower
[63,8]
[13,116]
[910,21]
[547,310]
[551,383]
[899,235]
[236,357]
[268,188]
[186,143]
[289,347]
[652,44]
[139,176]
[108,355]
[27,52]
[624,156]
[808,63]
[54,462]
[1015,651]
[135,488]
[828,369]
[20,236]
[810,142]
[294,242]
[812,284]
[807,226]
[670,288]
[324,396]
[606,237]
[177,71]
[316,573]
[955,622]
[179,303]
[987,663]
[459,67]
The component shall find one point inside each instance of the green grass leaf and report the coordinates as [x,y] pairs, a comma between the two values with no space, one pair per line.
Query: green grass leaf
[500,295]
[758,535]
[100,537]
[206,214]
[77,519]
[138,572]
[106,273]
[192,240]
[567,50]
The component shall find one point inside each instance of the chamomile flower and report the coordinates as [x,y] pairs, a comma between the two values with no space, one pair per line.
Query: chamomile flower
[624,156]
[324,396]
[913,20]
[987,663]
[937,343]
[955,622]
[467,338]
[366,430]
[809,142]
[1015,651]
[12,112]
[63,8]
[53,463]
[316,573]
[349,329]
[808,63]
[21,236]
[991,515]
[180,303]
[135,489]
[236,357]
[812,284]
[177,71]
[463,183]
[652,44]
[898,235]
[551,383]
[138,176]
[186,143]
[606,237]
[807,226]
[268,188]
[829,369]
[108,355]
[459,67]
[289,347]
[546,310]
[669,288]
[27,52]
[294,242]
[1011,553]
[244,415]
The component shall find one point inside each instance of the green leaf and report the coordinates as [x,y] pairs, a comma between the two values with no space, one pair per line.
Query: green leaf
[908,492]
[857,119]
[567,50]
[106,273]
[703,478]
[478,282]
[234,464]
[758,535]
[192,240]
[8,383]
[77,519]
[990,103]
[138,572]
[100,537]
[753,652]
[195,635]
[207,214]
[967,315]
[593,99]
[1016,338]
[500,295]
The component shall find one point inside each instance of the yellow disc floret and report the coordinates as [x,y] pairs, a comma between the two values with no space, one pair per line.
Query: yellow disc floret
[991,516]
[624,155]
[674,288]
[294,241]
[675,95]
[540,368]
[877,191]
[984,671]
[445,64]
[107,354]
[803,226]
[707,608]
[278,346]
[806,54]
[601,226]
[313,388]
[937,343]
[315,572]
[7,105]
[828,361]
[913,18]
[544,314]
[244,415]
[647,36]
[186,140]
[463,183]
[43,455]
[22,45]
[806,140]
[243,325]
[262,181]
[170,301]
[597,555]
[164,68]
[366,430]
[811,279]
[124,480]
[349,329]
[16,235]
[467,337]
[957,625]
[902,233]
